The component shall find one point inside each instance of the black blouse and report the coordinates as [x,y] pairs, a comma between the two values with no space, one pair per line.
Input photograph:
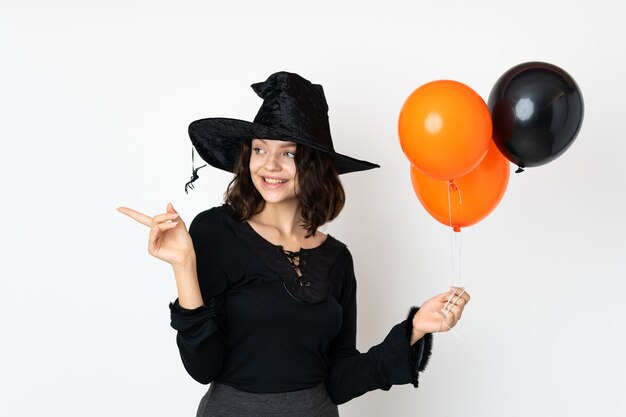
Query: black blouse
[265,328]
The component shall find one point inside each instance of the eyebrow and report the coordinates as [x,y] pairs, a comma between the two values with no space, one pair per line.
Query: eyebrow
[284,144]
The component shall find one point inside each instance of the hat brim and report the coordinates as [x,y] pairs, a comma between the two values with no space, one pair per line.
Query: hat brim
[218,142]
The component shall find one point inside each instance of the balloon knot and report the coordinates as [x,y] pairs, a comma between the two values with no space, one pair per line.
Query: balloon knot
[456,229]
[519,169]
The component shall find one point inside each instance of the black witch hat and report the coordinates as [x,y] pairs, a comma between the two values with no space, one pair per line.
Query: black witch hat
[293,109]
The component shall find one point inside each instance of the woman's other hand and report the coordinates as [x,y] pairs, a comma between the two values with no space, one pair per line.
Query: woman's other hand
[440,313]
[169,239]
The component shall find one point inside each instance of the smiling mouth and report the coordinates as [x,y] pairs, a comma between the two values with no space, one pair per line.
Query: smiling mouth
[274,181]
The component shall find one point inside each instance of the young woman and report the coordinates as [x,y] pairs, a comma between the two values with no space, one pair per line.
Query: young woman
[266,307]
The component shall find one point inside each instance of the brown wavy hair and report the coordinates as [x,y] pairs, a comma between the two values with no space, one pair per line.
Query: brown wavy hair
[320,194]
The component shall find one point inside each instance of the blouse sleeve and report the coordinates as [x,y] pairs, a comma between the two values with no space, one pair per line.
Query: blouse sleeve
[392,362]
[200,334]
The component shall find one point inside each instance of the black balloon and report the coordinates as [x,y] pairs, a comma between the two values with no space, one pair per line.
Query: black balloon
[537,111]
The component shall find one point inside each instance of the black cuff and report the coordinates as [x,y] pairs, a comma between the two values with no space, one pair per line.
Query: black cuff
[184,319]
[419,352]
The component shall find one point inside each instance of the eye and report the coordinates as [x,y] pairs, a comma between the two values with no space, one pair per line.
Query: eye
[290,154]
[258,150]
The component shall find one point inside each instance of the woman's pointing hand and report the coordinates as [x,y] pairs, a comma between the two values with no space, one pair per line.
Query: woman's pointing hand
[169,239]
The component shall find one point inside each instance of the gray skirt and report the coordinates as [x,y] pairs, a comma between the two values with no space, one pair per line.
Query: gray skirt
[222,400]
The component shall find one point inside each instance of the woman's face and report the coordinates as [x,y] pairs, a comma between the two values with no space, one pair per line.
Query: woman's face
[273,169]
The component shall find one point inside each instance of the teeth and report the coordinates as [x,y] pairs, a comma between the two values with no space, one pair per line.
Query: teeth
[273,181]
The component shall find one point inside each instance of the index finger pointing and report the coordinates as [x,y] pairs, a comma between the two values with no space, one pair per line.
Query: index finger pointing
[140,217]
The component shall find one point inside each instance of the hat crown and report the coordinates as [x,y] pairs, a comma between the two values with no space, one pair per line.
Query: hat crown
[294,105]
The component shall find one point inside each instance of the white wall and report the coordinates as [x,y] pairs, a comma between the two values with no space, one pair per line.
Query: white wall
[95,100]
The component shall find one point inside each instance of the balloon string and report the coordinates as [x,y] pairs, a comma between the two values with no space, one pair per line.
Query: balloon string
[457,245]
[455,238]
[451,230]
[455,242]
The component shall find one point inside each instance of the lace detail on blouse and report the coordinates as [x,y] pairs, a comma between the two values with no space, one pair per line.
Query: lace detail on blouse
[304,272]
[298,262]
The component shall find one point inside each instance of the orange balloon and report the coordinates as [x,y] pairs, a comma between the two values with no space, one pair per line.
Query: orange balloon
[472,196]
[444,129]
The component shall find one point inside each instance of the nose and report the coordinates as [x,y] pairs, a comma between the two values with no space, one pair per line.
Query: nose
[271,162]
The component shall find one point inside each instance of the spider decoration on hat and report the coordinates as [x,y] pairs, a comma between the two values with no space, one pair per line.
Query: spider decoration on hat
[194,174]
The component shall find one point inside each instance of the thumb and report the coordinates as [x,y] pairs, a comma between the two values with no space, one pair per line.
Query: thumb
[170,208]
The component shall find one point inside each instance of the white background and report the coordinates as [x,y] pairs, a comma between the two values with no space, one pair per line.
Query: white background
[95,100]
